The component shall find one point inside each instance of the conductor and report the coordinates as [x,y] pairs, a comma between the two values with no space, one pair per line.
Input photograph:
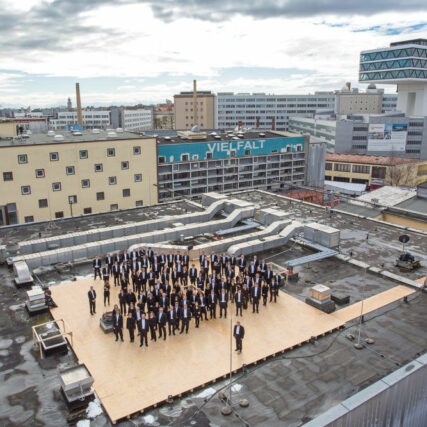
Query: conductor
[239,333]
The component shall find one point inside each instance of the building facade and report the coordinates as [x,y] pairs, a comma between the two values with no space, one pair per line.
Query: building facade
[225,163]
[184,114]
[92,119]
[261,111]
[47,177]
[164,119]
[131,118]
[387,134]
[375,171]
[403,64]
[322,129]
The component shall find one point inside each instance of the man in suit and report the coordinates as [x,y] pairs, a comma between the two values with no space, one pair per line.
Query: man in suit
[110,261]
[161,321]
[177,310]
[185,319]
[239,334]
[193,274]
[212,304]
[143,330]
[152,323]
[96,268]
[239,302]
[118,325]
[185,261]
[255,296]
[172,320]
[92,298]
[241,263]
[223,303]
[116,273]
[202,304]
[106,273]
[223,262]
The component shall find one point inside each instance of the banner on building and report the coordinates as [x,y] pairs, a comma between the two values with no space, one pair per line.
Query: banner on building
[387,137]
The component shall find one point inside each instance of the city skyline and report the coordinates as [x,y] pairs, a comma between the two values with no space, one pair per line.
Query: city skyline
[132,52]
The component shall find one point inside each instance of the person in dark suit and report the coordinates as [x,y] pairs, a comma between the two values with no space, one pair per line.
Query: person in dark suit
[223,299]
[172,320]
[106,273]
[116,273]
[264,293]
[241,263]
[107,292]
[197,313]
[239,334]
[201,299]
[96,268]
[92,300]
[274,290]
[118,324]
[239,302]
[109,261]
[152,323]
[255,296]
[161,322]
[212,304]
[123,301]
[130,326]
[143,330]
[185,319]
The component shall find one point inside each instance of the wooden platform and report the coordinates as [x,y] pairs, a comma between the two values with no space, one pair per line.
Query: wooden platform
[130,379]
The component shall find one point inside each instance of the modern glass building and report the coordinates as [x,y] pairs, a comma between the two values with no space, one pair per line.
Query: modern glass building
[403,63]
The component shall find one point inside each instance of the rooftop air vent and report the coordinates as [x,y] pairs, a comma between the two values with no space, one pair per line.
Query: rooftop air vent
[51,133]
[77,133]
[96,131]
[58,137]
[119,130]
[167,138]
[262,134]
[217,136]
[235,137]
[111,134]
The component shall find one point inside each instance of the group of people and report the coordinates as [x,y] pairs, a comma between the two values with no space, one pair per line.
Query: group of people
[160,294]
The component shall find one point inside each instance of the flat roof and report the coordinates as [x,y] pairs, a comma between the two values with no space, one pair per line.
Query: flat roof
[370,160]
[69,137]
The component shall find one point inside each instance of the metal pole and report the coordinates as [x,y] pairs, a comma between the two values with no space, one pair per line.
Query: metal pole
[231,352]
[358,345]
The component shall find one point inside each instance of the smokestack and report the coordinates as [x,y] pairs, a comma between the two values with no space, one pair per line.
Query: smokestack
[79,105]
[240,125]
[196,119]
[273,124]
[257,122]
[348,84]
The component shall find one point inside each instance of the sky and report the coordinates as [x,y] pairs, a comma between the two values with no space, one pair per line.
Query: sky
[126,52]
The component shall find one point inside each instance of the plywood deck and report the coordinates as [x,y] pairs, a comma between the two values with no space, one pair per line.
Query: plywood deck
[129,379]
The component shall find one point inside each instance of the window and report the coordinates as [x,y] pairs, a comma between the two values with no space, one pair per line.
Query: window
[125,165]
[111,152]
[126,192]
[247,152]
[342,167]
[7,176]
[137,150]
[22,158]
[138,203]
[72,199]
[378,172]
[361,169]
[29,219]
[83,154]
[53,157]
[162,159]
[138,177]
[85,183]
[114,207]
[209,155]
[25,189]
[184,157]
[98,167]
[59,214]
[70,170]
[328,166]
[43,203]
[40,173]
[56,186]
[233,153]
[100,196]
[112,180]
[87,211]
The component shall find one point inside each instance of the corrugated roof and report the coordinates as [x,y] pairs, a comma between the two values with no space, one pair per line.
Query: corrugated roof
[371,160]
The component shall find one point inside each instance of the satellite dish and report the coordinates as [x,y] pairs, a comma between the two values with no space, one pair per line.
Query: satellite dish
[404,238]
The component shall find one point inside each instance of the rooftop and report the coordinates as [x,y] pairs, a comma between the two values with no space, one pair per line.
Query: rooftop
[288,389]
[370,160]
[69,137]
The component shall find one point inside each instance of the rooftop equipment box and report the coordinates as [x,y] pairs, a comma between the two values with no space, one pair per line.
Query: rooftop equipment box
[322,234]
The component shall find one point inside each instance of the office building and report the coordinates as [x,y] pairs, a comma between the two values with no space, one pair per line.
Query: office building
[92,119]
[375,171]
[403,64]
[261,111]
[324,130]
[132,118]
[394,134]
[53,176]
[186,116]
[190,163]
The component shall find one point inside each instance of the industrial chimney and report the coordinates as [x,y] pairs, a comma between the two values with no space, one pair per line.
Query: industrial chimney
[348,84]
[196,119]
[79,105]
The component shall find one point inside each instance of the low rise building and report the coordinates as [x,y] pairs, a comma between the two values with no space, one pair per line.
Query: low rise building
[375,171]
[92,119]
[132,118]
[184,111]
[44,177]
[322,129]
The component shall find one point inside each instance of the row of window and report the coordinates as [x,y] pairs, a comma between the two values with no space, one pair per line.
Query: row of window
[56,186]
[345,167]
[83,154]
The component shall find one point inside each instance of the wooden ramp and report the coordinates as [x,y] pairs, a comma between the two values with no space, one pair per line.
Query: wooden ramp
[130,379]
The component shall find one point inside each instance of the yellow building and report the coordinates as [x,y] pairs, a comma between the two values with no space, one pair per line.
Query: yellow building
[375,171]
[45,177]
[7,129]
[184,114]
